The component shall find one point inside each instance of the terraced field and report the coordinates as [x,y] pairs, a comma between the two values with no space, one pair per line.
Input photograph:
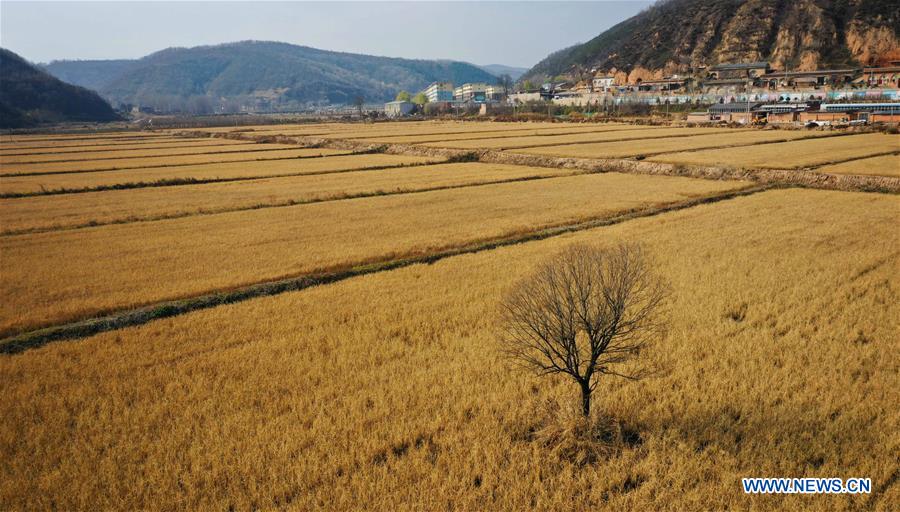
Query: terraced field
[791,155]
[207,172]
[241,153]
[551,140]
[381,385]
[886,165]
[120,206]
[632,148]
[95,270]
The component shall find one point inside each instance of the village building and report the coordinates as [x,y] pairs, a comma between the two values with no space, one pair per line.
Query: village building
[603,83]
[738,71]
[880,77]
[812,79]
[474,92]
[399,108]
[439,91]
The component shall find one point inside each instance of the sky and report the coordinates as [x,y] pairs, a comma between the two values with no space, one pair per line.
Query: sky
[514,33]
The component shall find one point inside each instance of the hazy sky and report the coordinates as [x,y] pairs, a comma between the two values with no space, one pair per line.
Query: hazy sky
[512,33]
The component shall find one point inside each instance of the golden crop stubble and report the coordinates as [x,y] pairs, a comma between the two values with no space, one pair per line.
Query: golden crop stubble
[385,391]
[524,131]
[485,130]
[10,155]
[886,165]
[112,206]
[89,145]
[789,155]
[549,140]
[651,146]
[162,157]
[227,170]
[59,276]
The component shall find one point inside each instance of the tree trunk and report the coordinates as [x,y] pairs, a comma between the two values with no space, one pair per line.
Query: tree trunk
[585,399]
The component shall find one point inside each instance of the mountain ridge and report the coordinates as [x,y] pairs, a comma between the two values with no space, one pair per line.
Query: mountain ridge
[268,73]
[30,96]
[678,36]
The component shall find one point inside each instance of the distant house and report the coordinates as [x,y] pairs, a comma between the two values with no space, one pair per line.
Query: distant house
[739,70]
[494,93]
[475,92]
[439,91]
[881,77]
[817,78]
[737,112]
[399,108]
[602,83]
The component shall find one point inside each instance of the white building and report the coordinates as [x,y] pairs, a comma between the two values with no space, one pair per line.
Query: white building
[603,83]
[439,91]
[398,108]
[470,92]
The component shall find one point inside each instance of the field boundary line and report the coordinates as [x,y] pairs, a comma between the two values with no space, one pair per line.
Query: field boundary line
[851,159]
[134,157]
[176,182]
[292,202]
[211,144]
[163,309]
[475,137]
[162,166]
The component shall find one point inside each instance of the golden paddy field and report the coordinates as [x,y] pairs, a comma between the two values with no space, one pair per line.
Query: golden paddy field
[336,160]
[386,390]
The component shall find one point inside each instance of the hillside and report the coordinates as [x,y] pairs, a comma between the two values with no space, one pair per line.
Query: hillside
[502,69]
[262,75]
[677,35]
[30,96]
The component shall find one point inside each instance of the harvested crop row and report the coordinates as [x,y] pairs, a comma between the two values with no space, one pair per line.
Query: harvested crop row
[886,165]
[438,128]
[190,409]
[633,148]
[487,131]
[30,163]
[86,151]
[97,208]
[49,278]
[423,138]
[82,136]
[550,140]
[47,173]
[87,145]
[791,155]
[209,172]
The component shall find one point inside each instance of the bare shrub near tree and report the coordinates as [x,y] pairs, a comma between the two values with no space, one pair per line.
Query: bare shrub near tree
[583,313]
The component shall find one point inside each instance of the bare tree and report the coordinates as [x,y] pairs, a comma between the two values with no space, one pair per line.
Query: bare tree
[358,102]
[584,312]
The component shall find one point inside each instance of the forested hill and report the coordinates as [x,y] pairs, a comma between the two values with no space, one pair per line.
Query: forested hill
[269,71]
[678,35]
[29,96]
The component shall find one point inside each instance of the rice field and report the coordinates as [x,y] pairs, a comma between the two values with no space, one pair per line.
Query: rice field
[791,155]
[632,148]
[100,269]
[21,163]
[223,155]
[551,140]
[120,206]
[248,406]
[386,390]
[886,165]
[35,148]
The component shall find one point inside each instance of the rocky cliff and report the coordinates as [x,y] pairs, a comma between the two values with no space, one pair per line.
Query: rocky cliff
[677,36]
